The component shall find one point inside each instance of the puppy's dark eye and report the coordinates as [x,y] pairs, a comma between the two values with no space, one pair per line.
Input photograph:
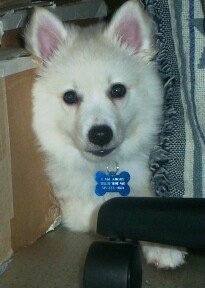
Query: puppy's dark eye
[117,91]
[71,97]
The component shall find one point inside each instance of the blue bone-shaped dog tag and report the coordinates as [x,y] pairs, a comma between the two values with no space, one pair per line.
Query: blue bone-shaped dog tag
[112,182]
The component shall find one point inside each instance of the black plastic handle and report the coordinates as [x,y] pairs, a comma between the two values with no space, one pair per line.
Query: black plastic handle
[172,221]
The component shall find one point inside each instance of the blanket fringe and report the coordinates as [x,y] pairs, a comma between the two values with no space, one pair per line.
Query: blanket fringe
[160,155]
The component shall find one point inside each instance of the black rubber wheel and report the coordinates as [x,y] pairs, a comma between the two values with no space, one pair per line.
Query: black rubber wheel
[112,265]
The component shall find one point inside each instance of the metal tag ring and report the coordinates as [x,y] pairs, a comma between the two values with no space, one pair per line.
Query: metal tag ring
[116,168]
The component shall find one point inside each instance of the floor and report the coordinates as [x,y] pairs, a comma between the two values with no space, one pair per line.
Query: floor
[56,261]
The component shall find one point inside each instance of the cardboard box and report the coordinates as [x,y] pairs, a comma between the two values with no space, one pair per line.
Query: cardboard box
[27,208]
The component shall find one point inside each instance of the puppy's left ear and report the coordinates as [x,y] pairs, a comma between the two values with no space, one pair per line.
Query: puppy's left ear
[130,27]
[44,34]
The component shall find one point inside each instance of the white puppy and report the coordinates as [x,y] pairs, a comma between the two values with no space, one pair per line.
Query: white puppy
[97,103]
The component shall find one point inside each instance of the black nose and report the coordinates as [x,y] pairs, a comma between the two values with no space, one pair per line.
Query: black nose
[100,135]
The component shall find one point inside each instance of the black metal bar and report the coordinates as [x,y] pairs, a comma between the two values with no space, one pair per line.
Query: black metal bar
[172,221]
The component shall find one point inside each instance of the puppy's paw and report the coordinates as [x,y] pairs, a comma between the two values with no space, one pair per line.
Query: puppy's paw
[79,216]
[164,256]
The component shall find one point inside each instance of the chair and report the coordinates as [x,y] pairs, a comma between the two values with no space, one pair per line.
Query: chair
[126,221]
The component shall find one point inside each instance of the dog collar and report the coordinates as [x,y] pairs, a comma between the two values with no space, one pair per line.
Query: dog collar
[112,182]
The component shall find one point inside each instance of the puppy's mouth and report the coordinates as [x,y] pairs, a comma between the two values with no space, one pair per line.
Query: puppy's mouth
[101,152]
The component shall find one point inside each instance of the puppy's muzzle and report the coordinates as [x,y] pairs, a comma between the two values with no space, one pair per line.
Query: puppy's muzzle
[100,135]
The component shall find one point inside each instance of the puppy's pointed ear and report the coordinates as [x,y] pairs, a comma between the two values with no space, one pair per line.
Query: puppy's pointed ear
[130,26]
[44,34]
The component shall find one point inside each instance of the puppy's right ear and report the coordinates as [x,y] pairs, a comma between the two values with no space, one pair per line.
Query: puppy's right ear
[44,34]
[131,29]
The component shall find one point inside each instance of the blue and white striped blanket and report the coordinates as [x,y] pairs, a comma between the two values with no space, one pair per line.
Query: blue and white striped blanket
[178,162]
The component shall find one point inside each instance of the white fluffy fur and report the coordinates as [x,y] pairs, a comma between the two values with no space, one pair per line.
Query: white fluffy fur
[89,61]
